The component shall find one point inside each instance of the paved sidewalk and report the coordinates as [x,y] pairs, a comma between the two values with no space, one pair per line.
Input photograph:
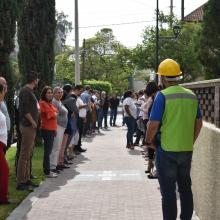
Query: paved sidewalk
[105,183]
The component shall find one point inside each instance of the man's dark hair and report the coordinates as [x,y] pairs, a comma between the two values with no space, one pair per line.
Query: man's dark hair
[87,87]
[140,92]
[78,87]
[151,88]
[1,88]
[43,93]
[128,94]
[67,88]
[31,76]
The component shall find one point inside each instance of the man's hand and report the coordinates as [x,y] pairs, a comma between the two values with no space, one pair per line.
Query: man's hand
[34,125]
[152,129]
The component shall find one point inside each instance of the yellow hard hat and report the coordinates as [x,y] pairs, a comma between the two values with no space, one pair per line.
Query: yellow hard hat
[169,67]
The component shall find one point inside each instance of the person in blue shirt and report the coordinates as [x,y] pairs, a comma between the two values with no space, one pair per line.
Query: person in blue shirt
[174,125]
[86,98]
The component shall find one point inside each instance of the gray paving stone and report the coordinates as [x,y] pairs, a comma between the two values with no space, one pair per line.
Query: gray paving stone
[105,183]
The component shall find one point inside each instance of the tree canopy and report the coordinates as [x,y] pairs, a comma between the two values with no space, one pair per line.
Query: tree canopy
[36,35]
[210,42]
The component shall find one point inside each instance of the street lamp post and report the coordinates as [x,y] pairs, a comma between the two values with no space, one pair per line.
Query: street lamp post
[176,32]
[157,39]
[77,62]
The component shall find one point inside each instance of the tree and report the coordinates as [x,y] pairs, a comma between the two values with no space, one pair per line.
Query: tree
[8,15]
[209,42]
[63,27]
[65,67]
[183,49]
[106,59]
[36,35]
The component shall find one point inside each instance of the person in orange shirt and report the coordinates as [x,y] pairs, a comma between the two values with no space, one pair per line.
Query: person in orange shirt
[48,127]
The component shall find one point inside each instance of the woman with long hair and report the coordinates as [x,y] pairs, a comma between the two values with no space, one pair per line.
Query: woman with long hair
[48,127]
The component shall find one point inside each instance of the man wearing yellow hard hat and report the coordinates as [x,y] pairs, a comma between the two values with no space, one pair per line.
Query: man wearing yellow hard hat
[174,125]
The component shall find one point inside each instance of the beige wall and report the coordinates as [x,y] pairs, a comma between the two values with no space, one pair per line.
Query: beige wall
[206,173]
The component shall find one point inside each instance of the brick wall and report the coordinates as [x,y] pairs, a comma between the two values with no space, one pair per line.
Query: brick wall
[209,99]
[208,93]
[205,170]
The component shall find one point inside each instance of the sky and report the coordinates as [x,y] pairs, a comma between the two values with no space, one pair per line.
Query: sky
[127,18]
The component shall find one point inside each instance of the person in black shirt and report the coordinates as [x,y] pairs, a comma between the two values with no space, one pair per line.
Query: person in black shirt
[114,103]
[105,108]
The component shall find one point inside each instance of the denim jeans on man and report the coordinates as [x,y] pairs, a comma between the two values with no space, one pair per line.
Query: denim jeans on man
[48,137]
[105,116]
[130,122]
[113,116]
[172,168]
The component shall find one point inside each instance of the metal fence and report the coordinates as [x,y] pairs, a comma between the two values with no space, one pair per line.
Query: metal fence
[208,93]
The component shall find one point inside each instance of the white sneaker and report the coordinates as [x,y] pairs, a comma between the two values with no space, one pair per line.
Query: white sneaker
[51,175]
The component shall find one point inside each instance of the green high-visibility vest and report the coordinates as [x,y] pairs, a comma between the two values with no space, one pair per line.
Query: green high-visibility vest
[177,128]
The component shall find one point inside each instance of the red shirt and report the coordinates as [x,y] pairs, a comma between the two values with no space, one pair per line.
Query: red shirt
[48,116]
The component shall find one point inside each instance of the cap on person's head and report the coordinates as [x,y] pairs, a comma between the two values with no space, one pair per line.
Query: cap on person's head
[170,69]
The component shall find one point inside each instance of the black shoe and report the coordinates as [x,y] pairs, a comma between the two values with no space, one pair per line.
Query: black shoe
[59,168]
[30,183]
[55,171]
[68,163]
[77,152]
[150,176]
[23,187]
[33,177]
[9,202]
[65,166]
[81,150]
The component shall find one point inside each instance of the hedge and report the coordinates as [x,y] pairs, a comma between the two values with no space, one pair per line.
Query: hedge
[99,85]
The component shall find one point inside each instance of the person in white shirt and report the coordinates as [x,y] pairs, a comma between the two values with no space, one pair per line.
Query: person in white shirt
[81,117]
[130,115]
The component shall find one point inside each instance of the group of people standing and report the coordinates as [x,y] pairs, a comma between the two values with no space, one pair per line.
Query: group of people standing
[169,120]
[172,121]
[64,115]
[137,108]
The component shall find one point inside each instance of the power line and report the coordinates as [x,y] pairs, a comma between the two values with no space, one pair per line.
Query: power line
[118,24]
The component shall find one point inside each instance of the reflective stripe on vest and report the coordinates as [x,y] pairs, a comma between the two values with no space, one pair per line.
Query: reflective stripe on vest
[177,129]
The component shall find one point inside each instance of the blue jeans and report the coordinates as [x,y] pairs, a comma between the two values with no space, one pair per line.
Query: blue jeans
[99,117]
[105,116]
[130,122]
[113,116]
[172,168]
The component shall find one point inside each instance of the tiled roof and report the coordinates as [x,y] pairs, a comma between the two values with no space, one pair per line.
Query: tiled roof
[196,15]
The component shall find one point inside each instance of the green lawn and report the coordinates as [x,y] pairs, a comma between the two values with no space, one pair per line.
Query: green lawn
[18,196]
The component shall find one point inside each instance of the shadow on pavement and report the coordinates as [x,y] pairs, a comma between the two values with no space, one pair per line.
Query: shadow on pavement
[135,152]
[48,186]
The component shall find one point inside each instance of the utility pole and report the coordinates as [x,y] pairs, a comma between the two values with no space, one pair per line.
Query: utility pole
[171,13]
[77,62]
[182,10]
[83,60]
[157,39]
